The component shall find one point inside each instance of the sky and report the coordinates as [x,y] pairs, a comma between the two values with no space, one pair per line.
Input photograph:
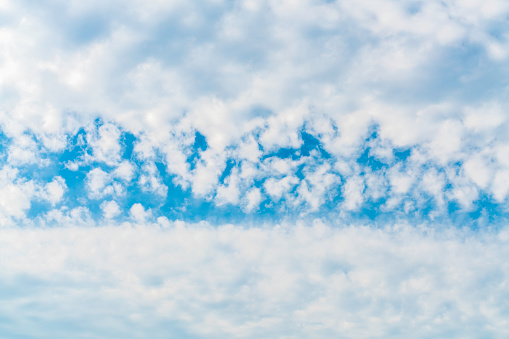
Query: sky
[254,169]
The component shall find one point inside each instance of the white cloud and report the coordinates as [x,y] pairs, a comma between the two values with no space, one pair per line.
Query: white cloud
[101,184]
[139,214]
[97,180]
[501,185]
[433,183]
[353,192]
[106,144]
[15,200]
[78,216]
[110,209]
[485,118]
[252,200]
[276,189]
[401,182]
[16,194]
[301,280]
[376,185]
[54,190]
[150,180]
[125,171]
[465,195]
[447,143]
[229,193]
[317,186]
[282,128]
[23,151]
[249,150]
[207,172]
[478,171]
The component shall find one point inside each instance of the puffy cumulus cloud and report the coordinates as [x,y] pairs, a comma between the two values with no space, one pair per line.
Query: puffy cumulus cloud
[97,182]
[229,193]
[125,171]
[276,189]
[317,186]
[150,181]
[110,209]
[194,280]
[65,216]
[18,194]
[105,144]
[24,151]
[16,199]
[252,200]
[138,213]
[101,183]
[208,170]
[55,190]
[353,192]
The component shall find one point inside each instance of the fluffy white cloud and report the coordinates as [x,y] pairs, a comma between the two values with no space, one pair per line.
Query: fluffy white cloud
[501,185]
[105,144]
[138,213]
[16,194]
[101,184]
[54,190]
[15,200]
[252,200]
[110,209]
[229,193]
[317,186]
[277,189]
[353,193]
[150,181]
[400,182]
[97,180]
[125,171]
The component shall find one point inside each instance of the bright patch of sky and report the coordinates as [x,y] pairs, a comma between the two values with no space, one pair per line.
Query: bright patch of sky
[220,124]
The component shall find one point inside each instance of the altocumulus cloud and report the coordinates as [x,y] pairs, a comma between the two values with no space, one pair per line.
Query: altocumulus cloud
[254,168]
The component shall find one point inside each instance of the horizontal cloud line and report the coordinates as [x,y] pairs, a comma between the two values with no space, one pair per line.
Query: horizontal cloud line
[304,280]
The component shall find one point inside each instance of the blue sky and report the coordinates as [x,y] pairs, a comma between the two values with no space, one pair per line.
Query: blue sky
[247,169]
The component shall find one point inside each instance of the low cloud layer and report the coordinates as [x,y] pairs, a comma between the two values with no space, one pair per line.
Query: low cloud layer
[278,281]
